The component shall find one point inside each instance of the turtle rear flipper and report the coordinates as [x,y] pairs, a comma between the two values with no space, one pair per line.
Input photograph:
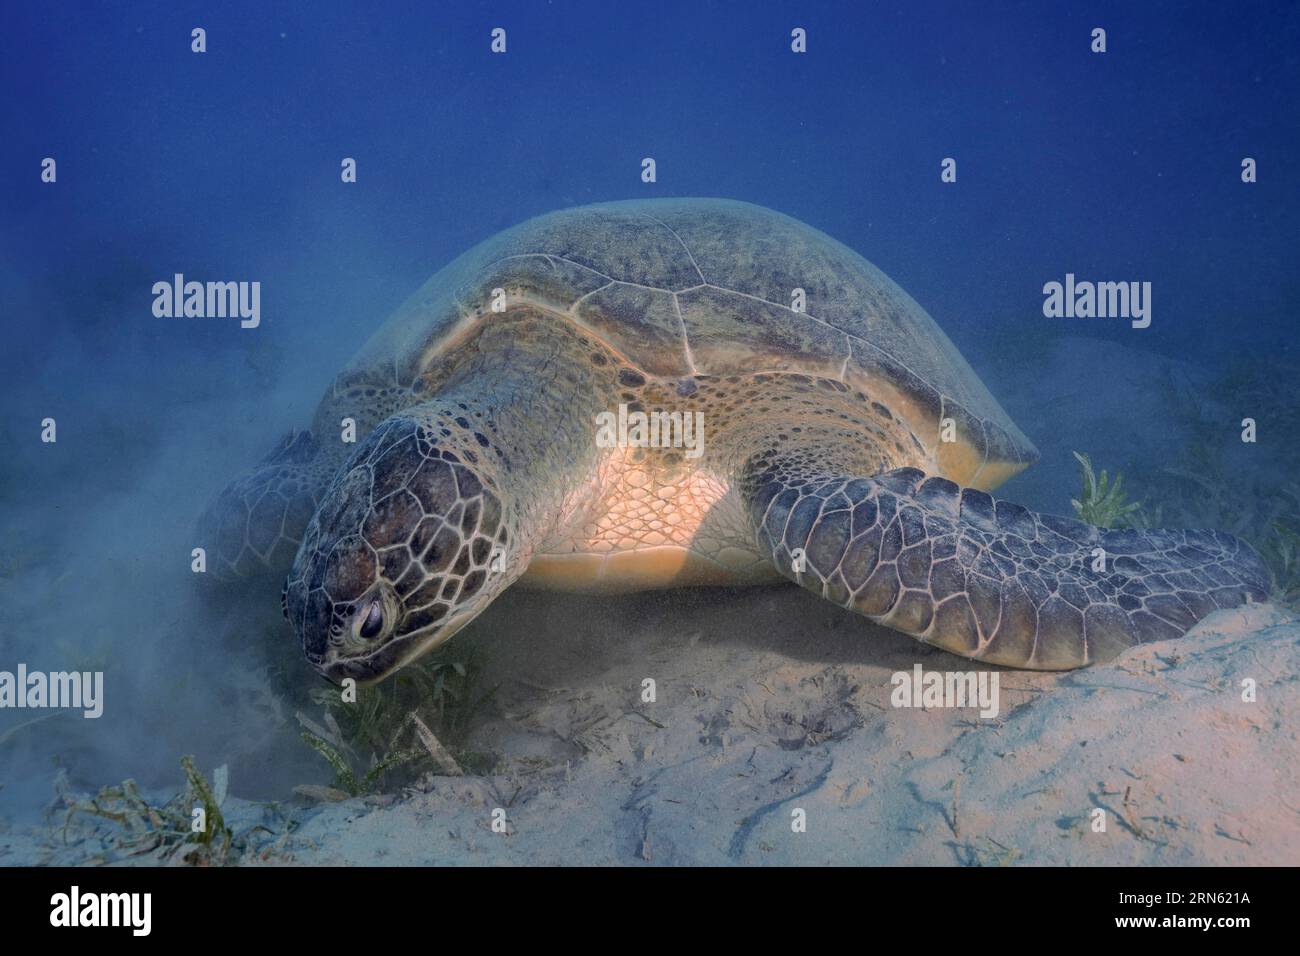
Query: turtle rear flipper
[988,579]
[254,526]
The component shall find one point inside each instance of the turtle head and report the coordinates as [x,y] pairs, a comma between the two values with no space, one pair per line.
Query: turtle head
[406,547]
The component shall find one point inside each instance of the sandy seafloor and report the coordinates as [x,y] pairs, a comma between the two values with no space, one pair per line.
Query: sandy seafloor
[771,700]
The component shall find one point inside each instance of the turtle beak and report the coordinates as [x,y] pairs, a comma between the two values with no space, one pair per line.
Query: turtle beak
[371,668]
[364,670]
[361,648]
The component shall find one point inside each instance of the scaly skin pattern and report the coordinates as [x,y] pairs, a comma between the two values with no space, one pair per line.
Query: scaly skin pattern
[444,503]
[256,524]
[988,579]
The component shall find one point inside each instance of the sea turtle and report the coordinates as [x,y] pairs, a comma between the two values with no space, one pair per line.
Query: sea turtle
[846,446]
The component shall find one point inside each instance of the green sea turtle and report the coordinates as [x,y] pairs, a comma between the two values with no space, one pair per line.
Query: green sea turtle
[846,446]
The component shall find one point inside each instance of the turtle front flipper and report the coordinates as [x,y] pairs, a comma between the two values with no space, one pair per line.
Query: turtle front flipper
[254,526]
[988,579]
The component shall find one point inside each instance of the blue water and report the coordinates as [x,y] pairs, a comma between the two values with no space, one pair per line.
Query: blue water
[1119,166]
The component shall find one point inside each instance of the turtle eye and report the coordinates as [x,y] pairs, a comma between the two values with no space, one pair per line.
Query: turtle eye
[374,620]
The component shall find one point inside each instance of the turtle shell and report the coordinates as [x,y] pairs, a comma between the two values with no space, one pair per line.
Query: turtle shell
[684,287]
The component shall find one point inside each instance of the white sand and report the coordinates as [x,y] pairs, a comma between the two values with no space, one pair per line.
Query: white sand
[754,727]
[797,714]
